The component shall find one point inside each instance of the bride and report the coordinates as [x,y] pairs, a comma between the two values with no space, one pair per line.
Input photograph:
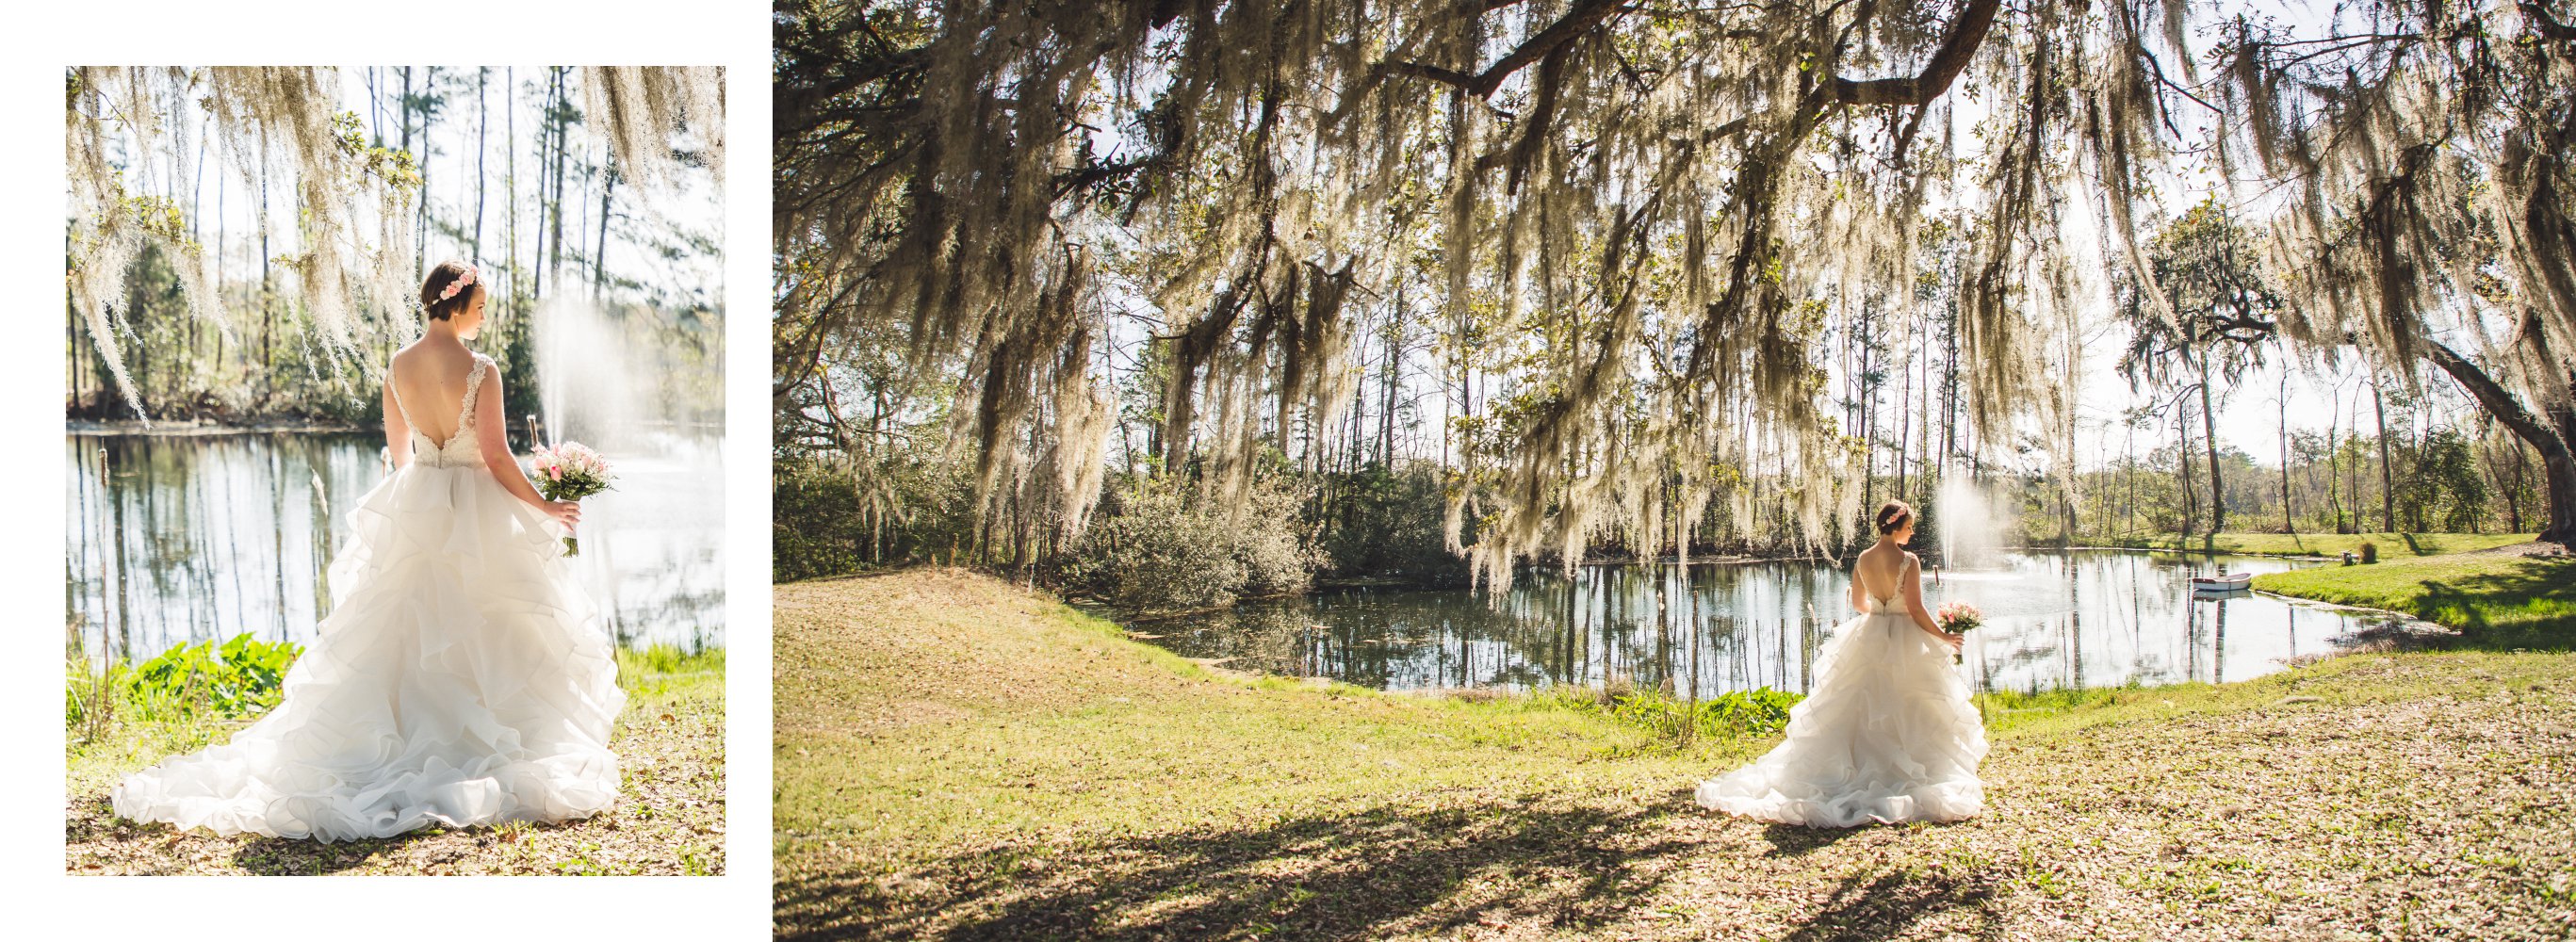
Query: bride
[461,678]
[1887,733]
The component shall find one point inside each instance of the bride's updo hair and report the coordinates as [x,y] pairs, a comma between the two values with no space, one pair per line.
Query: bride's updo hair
[440,295]
[1893,516]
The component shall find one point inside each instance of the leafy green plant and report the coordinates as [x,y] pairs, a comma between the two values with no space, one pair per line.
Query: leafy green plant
[242,677]
[1736,713]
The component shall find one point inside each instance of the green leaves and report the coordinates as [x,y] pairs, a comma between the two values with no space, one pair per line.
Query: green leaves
[397,167]
[243,677]
[1761,711]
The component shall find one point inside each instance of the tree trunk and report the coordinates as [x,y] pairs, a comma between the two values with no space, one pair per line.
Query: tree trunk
[2334,459]
[2129,470]
[2182,460]
[267,361]
[599,257]
[554,206]
[2284,406]
[2558,466]
[537,234]
[482,137]
[1394,368]
[2209,440]
[510,176]
[2513,491]
[1905,408]
[2387,481]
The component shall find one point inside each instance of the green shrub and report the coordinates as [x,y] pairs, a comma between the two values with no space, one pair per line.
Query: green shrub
[2369,552]
[244,677]
[241,677]
[1386,523]
[1761,711]
[829,519]
[1153,546]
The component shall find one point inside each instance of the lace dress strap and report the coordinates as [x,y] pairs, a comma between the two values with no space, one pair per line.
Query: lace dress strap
[473,387]
[396,389]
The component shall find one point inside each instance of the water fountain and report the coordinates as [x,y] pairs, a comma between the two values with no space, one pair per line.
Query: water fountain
[645,388]
[1969,524]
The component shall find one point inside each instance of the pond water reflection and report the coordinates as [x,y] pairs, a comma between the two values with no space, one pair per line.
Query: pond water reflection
[175,539]
[2085,618]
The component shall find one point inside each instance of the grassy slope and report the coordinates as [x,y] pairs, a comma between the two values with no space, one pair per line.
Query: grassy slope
[957,756]
[668,819]
[2495,597]
[2321,544]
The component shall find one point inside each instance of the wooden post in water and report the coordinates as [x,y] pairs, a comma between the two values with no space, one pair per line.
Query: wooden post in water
[2218,647]
[1698,633]
[1807,649]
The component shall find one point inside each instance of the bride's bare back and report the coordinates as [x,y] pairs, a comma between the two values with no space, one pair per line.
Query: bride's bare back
[1884,570]
[430,378]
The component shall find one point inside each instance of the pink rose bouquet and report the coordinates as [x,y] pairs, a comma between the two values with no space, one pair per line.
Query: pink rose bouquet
[1958,618]
[569,471]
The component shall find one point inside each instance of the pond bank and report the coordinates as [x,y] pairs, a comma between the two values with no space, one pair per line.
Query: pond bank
[958,756]
[282,426]
[2313,545]
[2509,596]
[669,816]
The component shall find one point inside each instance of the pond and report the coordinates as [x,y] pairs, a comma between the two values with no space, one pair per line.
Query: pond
[2083,618]
[175,539]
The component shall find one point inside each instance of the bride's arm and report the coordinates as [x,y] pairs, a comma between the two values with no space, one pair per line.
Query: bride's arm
[492,435]
[1854,596]
[397,431]
[1913,580]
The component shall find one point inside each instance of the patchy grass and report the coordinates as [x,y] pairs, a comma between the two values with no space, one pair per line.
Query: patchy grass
[2316,544]
[668,819]
[959,757]
[2495,599]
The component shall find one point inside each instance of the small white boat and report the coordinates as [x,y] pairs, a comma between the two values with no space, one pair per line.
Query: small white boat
[2227,583]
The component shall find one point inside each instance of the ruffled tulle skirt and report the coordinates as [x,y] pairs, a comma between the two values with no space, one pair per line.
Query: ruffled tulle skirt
[460,679]
[1887,733]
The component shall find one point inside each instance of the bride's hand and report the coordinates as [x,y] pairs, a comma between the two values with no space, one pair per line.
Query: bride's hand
[566,512]
[1954,640]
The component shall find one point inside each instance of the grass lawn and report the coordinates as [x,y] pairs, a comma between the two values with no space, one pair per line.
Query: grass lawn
[955,756]
[2495,599]
[668,819]
[2318,544]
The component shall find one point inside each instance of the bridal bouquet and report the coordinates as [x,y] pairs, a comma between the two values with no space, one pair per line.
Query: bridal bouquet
[1958,618]
[569,471]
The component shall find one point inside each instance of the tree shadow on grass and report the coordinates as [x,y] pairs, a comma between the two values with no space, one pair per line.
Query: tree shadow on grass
[1361,874]
[1891,903]
[2545,588]
[93,822]
[1355,874]
[1798,840]
[282,856]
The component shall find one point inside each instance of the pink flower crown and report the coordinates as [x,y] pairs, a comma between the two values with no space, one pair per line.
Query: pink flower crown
[462,281]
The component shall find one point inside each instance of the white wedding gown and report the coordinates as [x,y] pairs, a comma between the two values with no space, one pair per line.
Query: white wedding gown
[1886,734]
[460,679]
